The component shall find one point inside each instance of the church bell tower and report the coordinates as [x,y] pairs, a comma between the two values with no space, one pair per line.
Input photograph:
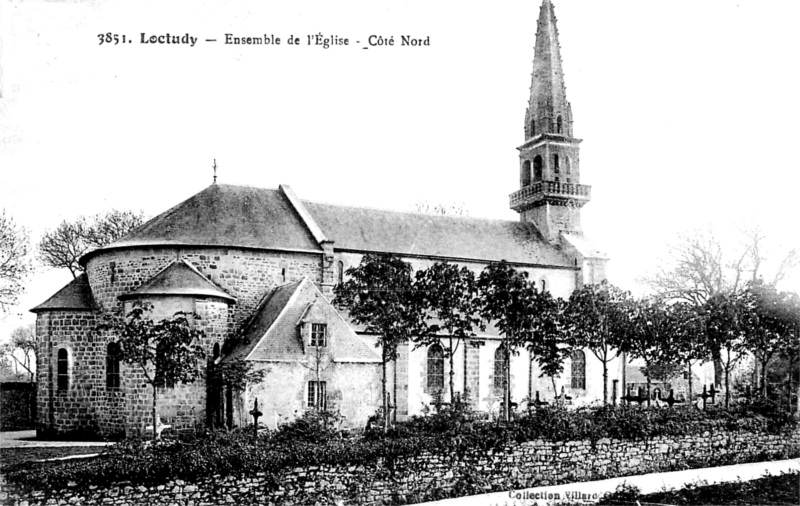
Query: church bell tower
[550,194]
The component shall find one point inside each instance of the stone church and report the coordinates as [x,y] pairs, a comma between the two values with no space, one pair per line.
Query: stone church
[262,263]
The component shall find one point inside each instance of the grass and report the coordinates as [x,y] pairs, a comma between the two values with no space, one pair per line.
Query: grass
[29,455]
[783,489]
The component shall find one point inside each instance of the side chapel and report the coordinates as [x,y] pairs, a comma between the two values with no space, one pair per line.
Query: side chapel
[263,262]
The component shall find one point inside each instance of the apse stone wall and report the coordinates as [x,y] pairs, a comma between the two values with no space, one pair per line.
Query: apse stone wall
[245,274]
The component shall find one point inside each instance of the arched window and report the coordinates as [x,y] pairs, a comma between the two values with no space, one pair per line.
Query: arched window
[340,272]
[526,173]
[435,367]
[578,359]
[215,352]
[543,285]
[112,365]
[556,167]
[500,368]
[162,380]
[568,162]
[533,128]
[559,124]
[63,369]
[537,168]
[283,274]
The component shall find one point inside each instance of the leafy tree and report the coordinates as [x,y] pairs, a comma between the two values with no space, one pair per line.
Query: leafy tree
[788,367]
[506,297]
[22,349]
[380,294]
[689,335]
[548,338]
[727,316]
[66,244]
[166,352]
[700,266]
[448,293]
[597,320]
[649,337]
[14,262]
[772,326]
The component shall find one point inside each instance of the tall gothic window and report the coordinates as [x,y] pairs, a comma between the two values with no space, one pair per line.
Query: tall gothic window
[558,124]
[500,368]
[340,272]
[63,369]
[533,128]
[578,369]
[112,365]
[435,367]
[556,167]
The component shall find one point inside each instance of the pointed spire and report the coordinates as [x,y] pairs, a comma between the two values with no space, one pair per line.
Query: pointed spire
[548,100]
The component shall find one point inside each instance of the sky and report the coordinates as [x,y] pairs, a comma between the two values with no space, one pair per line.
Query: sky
[688,111]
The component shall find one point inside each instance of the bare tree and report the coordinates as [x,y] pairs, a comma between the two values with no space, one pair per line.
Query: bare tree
[14,261]
[700,266]
[22,349]
[63,247]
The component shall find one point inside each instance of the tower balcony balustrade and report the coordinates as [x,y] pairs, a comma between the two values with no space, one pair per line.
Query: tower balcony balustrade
[579,194]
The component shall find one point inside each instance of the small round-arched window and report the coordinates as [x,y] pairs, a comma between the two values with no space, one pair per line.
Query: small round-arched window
[113,357]
[62,367]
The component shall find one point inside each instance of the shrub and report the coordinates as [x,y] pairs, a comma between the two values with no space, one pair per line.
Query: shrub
[315,439]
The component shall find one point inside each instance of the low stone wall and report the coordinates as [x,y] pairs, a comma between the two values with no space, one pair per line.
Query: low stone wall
[524,465]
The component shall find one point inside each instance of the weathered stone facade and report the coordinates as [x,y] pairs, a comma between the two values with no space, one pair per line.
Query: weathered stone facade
[524,465]
[236,246]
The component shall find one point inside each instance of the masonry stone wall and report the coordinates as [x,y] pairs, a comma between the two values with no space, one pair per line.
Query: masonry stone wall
[524,465]
[245,274]
[87,404]
[76,407]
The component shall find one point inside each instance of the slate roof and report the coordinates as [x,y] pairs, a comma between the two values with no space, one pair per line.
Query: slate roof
[178,278]
[262,320]
[76,295]
[373,230]
[242,216]
[225,215]
[272,333]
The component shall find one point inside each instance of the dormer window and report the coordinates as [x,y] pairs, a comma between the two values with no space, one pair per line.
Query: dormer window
[319,334]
